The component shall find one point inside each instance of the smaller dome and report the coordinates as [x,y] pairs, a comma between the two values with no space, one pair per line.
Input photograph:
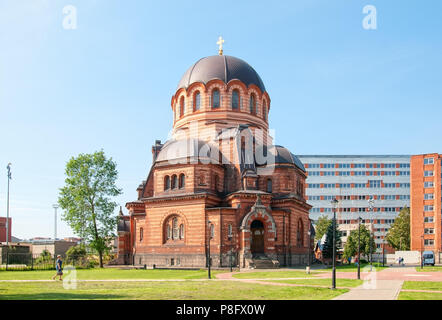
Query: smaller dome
[283,155]
[177,151]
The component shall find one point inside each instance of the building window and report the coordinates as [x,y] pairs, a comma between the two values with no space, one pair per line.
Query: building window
[429,161]
[166,183]
[182,181]
[212,231]
[181,107]
[264,110]
[429,242]
[428,184]
[215,99]
[428,219]
[235,100]
[141,234]
[252,104]
[181,231]
[269,185]
[174,182]
[196,101]
[428,196]
[428,208]
[300,234]
[429,231]
[175,230]
[168,232]
[229,231]
[216,183]
[428,173]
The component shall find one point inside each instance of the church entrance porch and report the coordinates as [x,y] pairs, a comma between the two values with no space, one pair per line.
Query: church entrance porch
[257,238]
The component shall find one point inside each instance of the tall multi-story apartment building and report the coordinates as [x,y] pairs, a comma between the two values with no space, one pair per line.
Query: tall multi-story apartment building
[353,180]
[426,209]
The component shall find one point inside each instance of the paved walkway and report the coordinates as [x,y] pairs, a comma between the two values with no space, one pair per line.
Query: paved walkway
[376,290]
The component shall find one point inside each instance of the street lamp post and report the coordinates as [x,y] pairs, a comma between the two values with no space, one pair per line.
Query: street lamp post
[7,205]
[371,206]
[55,206]
[308,255]
[334,203]
[383,253]
[359,247]
[208,249]
[422,252]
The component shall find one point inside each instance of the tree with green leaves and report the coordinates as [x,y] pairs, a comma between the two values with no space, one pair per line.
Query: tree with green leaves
[322,226]
[87,202]
[399,234]
[327,250]
[351,246]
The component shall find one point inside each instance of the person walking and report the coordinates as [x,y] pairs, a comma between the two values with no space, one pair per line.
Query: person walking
[59,268]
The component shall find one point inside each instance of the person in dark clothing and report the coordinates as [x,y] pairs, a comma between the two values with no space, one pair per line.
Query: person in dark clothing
[59,268]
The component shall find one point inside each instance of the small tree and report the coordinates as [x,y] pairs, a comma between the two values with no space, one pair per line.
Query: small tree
[322,226]
[86,199]
[351,246]
[327,251]
[399,234]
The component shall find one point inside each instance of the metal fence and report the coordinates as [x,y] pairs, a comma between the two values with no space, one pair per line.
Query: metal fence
[29,261]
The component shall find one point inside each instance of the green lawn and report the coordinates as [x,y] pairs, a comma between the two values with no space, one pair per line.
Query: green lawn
[419,296]
[108,274]
[190,290]
[423,285]
[273,274]
[349,283]
[429,269]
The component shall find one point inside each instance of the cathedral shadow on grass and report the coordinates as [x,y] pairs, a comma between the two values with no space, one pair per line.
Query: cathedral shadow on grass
[59,296]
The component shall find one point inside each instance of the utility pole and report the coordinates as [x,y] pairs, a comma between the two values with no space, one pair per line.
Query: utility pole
[55,206]
[334,203]
[359,248]
[8,167]
[208,247]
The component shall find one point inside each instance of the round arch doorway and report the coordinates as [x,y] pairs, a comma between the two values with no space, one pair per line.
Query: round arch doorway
[257,238]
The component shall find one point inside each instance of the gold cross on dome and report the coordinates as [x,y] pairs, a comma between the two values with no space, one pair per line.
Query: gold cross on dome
[220,43]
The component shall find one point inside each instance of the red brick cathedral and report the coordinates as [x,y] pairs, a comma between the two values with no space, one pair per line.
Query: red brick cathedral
[219,179]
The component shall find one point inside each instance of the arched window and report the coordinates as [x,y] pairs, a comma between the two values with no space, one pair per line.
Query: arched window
[300,234]
[181,107]
[181,231]
[175,230]
[168,232]
[269,185]
[264,110]
[216,103]
[252,104]
[141,234]
[174,182]
[196,101]
[166,183]
[212,231]
[229,231]
[216,182]
[235,100]
[182,181]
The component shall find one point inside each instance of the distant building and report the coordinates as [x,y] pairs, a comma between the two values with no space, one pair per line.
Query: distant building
[426,208]
[73,239]
[354,180]
[3,229]
[54,247]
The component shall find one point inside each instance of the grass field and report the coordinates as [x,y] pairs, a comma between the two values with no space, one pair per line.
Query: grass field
[429,269]
[273,274]
[349,283]
[404,295]
[423,285]
[185,290]
[109,274]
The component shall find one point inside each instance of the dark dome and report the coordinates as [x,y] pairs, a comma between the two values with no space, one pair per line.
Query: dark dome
[283,155]
[224,68]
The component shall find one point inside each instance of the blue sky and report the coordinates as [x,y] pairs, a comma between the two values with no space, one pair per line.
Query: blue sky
[336,88]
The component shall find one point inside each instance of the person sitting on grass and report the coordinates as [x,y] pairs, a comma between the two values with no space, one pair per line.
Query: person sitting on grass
[58,267]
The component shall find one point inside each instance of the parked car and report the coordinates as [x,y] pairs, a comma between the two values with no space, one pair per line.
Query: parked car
[428,258]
